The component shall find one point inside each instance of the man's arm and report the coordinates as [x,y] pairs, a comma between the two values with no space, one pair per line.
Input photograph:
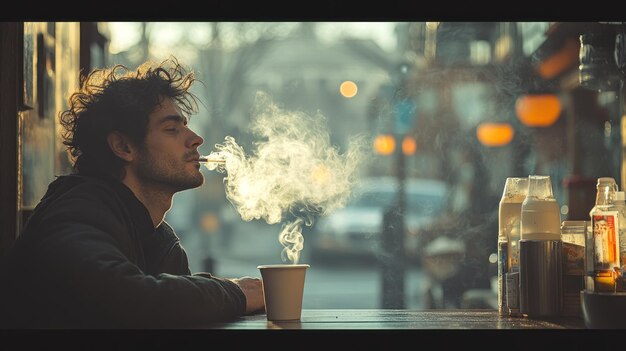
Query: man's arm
[86,264]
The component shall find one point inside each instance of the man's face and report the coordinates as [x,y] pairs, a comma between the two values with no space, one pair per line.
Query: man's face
[169,157]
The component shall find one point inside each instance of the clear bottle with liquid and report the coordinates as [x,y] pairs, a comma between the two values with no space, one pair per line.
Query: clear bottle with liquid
[515,190]
[604,252]
[573,235]
[620,204]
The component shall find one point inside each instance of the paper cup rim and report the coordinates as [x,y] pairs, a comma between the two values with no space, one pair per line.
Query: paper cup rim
[270,266]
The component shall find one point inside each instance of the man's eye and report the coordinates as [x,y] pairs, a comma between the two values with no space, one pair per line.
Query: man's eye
[170,130]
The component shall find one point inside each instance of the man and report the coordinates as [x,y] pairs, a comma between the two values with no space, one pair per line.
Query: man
[96,252]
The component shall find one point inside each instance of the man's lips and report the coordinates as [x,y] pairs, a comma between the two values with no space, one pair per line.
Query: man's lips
[194,158]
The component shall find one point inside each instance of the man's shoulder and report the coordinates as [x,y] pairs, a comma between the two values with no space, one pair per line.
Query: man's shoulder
[81,195]
[87,187]
[76,207]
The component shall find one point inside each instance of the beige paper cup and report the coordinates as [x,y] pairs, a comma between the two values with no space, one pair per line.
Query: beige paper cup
[283,288]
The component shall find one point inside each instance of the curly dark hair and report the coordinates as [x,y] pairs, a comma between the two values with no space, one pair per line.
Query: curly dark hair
[118,99]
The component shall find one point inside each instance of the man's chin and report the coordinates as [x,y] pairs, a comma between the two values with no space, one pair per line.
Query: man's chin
[197,182]
[191,183]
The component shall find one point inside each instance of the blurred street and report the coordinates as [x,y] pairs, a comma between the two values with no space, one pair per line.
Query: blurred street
[342,283]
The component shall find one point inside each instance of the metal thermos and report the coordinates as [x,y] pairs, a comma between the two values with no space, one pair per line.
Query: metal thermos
[541,251]
[541,272]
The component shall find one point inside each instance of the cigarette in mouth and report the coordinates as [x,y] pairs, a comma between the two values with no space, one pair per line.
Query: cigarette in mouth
[208,160]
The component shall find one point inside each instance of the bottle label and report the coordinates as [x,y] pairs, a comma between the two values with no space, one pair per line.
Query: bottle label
[606,240]
[512,293]
[502,271]
[574,259]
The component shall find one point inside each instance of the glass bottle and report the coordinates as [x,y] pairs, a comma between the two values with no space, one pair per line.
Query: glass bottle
[573,235]
[515,190]
[540,215]
[620,205]
[604,253]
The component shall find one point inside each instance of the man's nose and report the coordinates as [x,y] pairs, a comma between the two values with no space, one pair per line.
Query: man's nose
[196,140]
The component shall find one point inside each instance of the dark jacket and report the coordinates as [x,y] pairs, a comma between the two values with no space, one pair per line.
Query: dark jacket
[89,257]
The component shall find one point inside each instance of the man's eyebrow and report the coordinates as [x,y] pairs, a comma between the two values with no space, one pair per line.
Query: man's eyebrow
[175,118]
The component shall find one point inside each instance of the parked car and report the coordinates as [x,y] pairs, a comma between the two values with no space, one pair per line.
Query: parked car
[356,229]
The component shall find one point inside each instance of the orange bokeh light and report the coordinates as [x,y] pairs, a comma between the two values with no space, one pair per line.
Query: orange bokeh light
[348,89]
[409,146]
[565,58]
[495,134]
[538,110]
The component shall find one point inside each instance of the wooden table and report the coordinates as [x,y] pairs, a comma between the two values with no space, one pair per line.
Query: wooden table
[375,319]
[390,330]
[339,329]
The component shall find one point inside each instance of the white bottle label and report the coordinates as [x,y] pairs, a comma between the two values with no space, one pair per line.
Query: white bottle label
[606,240]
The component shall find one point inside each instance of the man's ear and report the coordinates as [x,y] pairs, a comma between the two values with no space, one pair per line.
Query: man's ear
[121,146]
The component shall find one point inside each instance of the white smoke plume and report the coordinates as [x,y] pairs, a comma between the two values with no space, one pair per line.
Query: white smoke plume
[294,174]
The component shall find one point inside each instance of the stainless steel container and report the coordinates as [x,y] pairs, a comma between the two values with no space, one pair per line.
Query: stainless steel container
[541,278]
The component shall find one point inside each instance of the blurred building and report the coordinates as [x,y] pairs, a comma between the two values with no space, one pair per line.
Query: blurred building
[303,73]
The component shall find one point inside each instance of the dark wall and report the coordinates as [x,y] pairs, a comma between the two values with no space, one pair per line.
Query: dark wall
[10,61]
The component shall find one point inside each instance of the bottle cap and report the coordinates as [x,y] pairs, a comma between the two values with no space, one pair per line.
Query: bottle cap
[605,180]
[540,218]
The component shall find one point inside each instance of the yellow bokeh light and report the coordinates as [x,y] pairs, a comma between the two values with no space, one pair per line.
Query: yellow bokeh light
[321,175]
[384,144]
[210,222]
[348,89]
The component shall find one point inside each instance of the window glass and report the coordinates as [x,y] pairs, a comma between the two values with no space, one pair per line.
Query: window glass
[334,116]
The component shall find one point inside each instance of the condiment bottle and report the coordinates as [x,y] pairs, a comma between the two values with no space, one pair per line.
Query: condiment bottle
[509,210]
[541,251]
[604,249]
[620,204]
